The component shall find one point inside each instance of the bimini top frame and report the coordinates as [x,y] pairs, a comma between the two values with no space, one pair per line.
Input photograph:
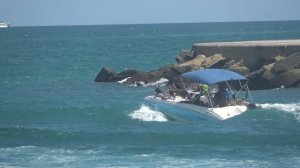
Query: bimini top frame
[212,76]
[215,76]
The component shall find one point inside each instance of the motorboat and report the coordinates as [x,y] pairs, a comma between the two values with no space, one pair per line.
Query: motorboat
[4,25]
[227,95]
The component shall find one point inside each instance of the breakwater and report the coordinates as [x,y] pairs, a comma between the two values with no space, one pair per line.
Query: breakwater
[267,64]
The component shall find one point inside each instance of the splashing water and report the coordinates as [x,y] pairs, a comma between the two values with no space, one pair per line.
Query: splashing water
[292,108]
[124,80]
[162,81]
[145,113]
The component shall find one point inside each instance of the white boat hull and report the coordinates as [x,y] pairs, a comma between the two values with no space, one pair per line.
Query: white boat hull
[185,111]
[4,25]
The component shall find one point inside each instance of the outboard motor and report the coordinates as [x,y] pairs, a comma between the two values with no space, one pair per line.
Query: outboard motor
[253,106]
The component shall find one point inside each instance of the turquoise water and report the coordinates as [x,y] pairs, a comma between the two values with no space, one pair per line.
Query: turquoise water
[52,114]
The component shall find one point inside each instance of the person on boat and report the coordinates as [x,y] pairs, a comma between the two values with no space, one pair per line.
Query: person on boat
[222,97]
[203,88]
[175,91]
[201,98]
[225,95]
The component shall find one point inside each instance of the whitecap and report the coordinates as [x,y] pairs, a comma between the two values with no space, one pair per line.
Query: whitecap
[161,81]
[292,108]
[124,80]
[145,113]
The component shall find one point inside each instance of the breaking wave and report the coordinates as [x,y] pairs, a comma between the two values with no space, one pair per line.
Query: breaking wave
[162,81]
[124,80]
[145,113]
[292,108]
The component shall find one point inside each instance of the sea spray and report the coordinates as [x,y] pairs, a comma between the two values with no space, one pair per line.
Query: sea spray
[162,81]
[145,113]
[124,80]
[292,108]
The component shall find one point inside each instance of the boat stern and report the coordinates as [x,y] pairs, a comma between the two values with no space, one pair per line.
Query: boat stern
[224,113]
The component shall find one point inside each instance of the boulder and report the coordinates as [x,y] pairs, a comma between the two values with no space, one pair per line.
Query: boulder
[154,75]
[165,70]
[229,63]
[105,75]
[178,70]
[125,74]
[139,76]
[185,55]
[268,74]
[289,78]
[289,63]
[273,59]
[212,60]
[239,68]
[196,63]
[262,78]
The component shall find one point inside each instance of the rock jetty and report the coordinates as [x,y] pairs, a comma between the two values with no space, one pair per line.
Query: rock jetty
[267,64]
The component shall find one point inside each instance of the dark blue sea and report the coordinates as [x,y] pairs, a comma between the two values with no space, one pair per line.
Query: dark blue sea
[53,114]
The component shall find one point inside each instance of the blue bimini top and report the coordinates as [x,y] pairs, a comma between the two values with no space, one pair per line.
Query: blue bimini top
[212,76]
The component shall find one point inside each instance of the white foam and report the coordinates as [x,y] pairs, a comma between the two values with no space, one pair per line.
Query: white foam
[162,81]
[292,108]
[124,80]
[145,113]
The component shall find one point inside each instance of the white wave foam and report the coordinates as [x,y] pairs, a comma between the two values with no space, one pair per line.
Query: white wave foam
[162,81]
[292,108]
[145,113]
[124,80]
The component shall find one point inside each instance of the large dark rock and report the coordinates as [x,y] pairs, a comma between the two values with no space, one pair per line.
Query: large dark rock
[289,63]
[195,63]
[239,67]
[154,75]
[265,63]
[165,70]
[185,55]
[178,70]
[125,74]
[212,60]
[289,78]
[137,77]
[105,75]
[262,78]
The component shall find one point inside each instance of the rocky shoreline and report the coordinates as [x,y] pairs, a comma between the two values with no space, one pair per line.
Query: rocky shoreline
[267,64]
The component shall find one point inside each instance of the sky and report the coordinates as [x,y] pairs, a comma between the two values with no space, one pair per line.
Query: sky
[101,12]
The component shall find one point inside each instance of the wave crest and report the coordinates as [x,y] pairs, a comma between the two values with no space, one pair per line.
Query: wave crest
[292,108]
[145,113]
[162,81]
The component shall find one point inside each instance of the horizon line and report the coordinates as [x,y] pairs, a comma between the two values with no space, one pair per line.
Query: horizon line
[156,23]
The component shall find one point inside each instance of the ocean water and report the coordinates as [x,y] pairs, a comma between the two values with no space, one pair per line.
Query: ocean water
[52,114]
